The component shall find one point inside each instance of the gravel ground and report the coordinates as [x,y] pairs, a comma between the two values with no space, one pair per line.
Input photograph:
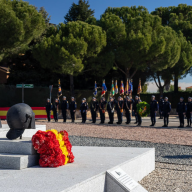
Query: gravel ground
[169,178]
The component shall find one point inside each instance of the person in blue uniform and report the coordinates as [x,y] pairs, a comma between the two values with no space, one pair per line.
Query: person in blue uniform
[72,108]
[64,108]
[110,109]
[127,107]
[153,110]
[48,110]
[181,109]
[119,108]
[94,107]
[139,118]
[161,101]
[189,111]
[135,108]
[83,109]
[56,109]
[166,109]
[102,106]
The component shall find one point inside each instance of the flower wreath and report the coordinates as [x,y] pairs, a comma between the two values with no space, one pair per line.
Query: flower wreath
[54,148]
[143,108]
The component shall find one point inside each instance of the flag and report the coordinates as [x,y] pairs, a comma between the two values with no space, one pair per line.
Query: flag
[112,93]
[104,88]
[59,94]
[127,88]
[95,89]
[122,88]
[139,87]
[130,87]
[116,87]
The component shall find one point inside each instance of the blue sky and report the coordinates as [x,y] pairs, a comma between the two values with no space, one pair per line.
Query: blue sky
[58,9]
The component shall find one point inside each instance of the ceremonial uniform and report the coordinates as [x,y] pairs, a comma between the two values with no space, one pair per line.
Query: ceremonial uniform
[188,113]
[166,110]
[127,107]
[119,109]
[72,107]
[153,109]
[55,111]
[64,107]
[110,109]
[161,101]
[102,106]
[83,109]
[48,110]
[94,107]
[135,110]
[181,108]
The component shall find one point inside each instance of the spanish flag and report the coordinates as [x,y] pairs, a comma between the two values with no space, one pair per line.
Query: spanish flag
[59,94]
[122,88]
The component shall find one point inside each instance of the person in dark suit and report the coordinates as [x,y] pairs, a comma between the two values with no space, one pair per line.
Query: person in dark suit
[94,107]
[110,109]
[153,110]
[161,101]
[64,108]
[189,111]
[48,110]
[139,116]
[83,109]
[56,109]
[102,106]
[127,107]
[72,108]
[166,111]
[181,109]
[119,109]
[135,108]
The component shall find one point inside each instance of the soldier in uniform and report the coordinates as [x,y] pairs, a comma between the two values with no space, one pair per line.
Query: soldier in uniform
[135,108]
[64,107]
[110,109]
[94,106]
[83,109]
[181,108]
[188,112]
[102,106]
[48,109]
[166,111]
[161,101]
[153,110]
[127,107]
[138,116]
[72,108]
[56,109]
[119,109]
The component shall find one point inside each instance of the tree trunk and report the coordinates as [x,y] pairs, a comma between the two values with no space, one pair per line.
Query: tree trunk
[176,84]
[161,90]
[71,85]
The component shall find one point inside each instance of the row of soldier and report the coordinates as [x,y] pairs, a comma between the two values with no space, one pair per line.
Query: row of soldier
[126,104]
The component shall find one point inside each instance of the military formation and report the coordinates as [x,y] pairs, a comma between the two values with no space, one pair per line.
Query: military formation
[121,105]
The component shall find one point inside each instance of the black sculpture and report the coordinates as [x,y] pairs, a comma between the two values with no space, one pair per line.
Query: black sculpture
[19,118]
[0,124]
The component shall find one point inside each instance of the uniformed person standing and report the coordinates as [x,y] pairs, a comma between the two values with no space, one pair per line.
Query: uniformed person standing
[72,108]
[166,111]
[48,109]
[83,109]
[189,111]
[64,107]
[94,107]
[153,110]
[181,109]
[127,107]
[110,109]
[119,109]
[161,101]
[138,116]
[102,106]
[56,109]
[135,108]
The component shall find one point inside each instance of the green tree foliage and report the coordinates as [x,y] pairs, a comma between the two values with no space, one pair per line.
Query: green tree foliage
[180,19]
[20,23]
[144,88]
[66,45]
[80,11]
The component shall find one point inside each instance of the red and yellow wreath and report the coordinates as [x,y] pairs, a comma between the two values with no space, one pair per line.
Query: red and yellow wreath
[54,148]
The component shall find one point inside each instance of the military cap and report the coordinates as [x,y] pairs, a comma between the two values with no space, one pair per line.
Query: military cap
[166,97]
[136,97]
[64,96]
[72,97]
[93,97]
[181,98]
[48,99]
[153,96]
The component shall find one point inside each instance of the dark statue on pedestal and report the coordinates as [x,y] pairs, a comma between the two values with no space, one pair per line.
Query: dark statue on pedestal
[19,118]
[0,124]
